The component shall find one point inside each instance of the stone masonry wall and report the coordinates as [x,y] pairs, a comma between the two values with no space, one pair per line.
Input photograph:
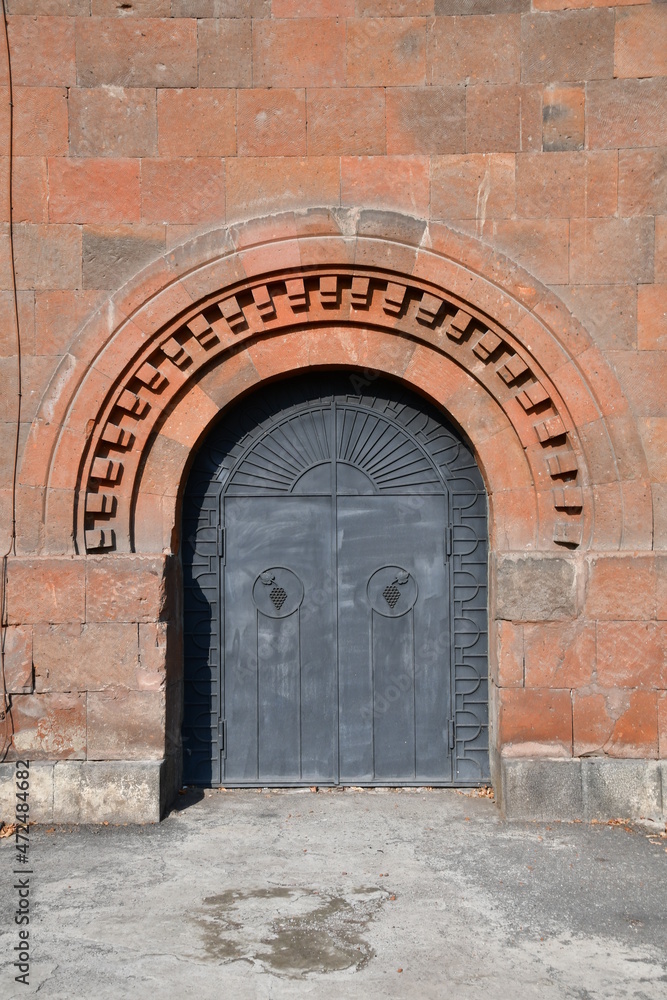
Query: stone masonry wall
[537,128]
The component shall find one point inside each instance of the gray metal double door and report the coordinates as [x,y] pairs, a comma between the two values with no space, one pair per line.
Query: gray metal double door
[335,635]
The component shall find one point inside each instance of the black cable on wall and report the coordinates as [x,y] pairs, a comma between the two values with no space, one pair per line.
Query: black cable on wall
[5,706]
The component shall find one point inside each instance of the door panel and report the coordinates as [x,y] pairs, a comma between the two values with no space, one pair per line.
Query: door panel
[279,641]
[342,637]
[394,639]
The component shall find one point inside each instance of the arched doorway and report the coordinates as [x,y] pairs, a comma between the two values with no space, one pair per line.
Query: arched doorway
[335,572]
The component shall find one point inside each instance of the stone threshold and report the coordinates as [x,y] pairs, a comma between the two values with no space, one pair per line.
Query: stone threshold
[531,788]
[583,788]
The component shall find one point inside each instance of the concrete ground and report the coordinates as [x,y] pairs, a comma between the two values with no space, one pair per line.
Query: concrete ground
[341,894]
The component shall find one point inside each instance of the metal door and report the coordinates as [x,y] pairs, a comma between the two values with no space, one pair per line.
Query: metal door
[338,544]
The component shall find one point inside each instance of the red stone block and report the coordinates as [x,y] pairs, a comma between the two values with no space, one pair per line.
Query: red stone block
[399,182]
[298,53]
[660,262]
[138,8]
[94,190]
[349,121]
[271,122]
[125,725]
[563,118]
[49,727]
[608,312]
[136,52]
[89,657]
[474,49]
[621,588]
[473,187]
[631,654]
[560,655]
[541,246]
[45,590]
[641,42]
[256,185]
[579,4]
[58,315]
[643,377]
[503,119]
[514,519]
[610,251]
[536,716]
[561,185]
[652,318]
[618,723]
[113,121]
[386,52]
[225,52]
[426,120]
[662,724]
[573,45]
[157,653]
[42,51]
[196,122]
[661,590]
[312,8]
[127,589]
[40,121]
[509,671]
[626,113]
[394,8]
[183,190]
[17,653]
[642,181]
[56,7]
[30,195]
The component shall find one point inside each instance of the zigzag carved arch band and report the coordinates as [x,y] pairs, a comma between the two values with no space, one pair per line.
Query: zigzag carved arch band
[298,299]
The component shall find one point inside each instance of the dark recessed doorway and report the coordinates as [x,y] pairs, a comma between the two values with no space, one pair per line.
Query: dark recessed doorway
[335,567]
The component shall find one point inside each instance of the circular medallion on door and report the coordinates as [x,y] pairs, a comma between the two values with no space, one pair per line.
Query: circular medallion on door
[277,592]
[392,591]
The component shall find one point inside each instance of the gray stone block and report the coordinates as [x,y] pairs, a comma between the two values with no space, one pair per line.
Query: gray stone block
[465,7]
[536,588]
[119,791]
[621,789]
[109,259]
[662,768]
[40,791]
[541,788]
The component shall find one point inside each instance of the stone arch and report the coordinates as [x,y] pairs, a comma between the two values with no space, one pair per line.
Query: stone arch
[151,371]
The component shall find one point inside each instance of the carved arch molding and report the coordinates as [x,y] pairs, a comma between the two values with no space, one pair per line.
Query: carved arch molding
[331,296]
[119,417]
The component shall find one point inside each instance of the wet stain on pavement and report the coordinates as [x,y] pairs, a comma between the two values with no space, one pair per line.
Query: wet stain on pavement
[293,931]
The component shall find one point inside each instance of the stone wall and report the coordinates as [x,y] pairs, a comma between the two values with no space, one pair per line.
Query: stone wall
[510,156]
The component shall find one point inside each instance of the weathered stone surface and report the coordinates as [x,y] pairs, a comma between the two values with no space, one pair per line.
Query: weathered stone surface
[41,791]
[621,588]
[126,725]
[620,789]
[594,788]
[536,589]
[17,652]
[127,588]
[124,791]
[541,789]
[45,590]
[112,255]
[535,720]
[48,727]
[92,657]
[559,655]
